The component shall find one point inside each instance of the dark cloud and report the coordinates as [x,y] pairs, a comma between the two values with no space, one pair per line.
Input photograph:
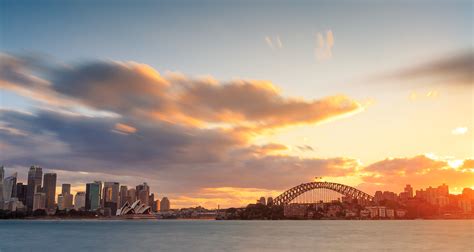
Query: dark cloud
[453,70]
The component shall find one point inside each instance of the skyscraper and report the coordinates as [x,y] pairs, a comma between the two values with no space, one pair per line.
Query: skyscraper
[409,191]
[67,196]
[143,193]
[21,192]
[92,196]
[2,174]
[111,196]
[35,175]
[65,189]
[8,185]
[49,188]
[123,195]
[165,204]
[80,200]
[131,195]
[101,197]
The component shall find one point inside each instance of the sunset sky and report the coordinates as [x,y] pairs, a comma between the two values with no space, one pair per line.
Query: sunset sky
[221,102]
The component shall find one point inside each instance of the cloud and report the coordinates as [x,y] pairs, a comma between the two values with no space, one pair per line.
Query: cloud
[456,69]
[324,45]
[459,131]
[305,147]
[422,171]
[274,43]
[138,92]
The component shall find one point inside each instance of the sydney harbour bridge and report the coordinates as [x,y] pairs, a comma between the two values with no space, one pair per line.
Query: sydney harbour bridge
[315,192]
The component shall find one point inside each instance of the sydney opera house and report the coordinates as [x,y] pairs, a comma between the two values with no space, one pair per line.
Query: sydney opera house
[136,208]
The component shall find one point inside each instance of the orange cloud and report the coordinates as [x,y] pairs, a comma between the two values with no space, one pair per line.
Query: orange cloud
[124,128]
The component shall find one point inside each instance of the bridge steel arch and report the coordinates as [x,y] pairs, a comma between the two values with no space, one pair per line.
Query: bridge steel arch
[296,191]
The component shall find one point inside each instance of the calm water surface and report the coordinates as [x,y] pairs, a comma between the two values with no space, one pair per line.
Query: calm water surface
[184,235]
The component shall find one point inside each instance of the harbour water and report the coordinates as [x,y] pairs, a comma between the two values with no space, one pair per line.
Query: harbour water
[199,235]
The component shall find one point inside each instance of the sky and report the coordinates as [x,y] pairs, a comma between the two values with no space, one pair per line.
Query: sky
[221,102]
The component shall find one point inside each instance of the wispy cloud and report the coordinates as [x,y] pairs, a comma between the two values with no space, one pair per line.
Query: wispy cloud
[451,70]
[324,45]
[274,43]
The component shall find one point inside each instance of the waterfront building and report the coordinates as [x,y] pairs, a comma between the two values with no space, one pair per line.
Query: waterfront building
[65,189]
[101,199]
[143,193]
[35,175]
[269,201]
[21,192]
[156,206]
[60,202]
[409,191]
[465,205]
[131,195]
[261,201]
[390,213]
[49,189]
[92,196]
[136,208]
[80,200]
[165,204]
[151,200]
[111,194]
[9,185]
[123,195]
[67,196]
[39,201]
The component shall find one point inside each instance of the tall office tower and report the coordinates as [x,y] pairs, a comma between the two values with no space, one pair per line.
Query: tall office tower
[49,188]
[101,197]
[39,200]
[143,193]
[21,192]
[8,184]
[65,189]
[111,196]
[60,202]
[165,204]
[409,191]
[35,175]
[92,196]
[131,195]
[123,195]
[157,205]
[80,200]
[67,196]
[151,200]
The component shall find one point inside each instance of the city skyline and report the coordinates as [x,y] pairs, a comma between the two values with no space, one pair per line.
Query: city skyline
[221,103]
[99,194]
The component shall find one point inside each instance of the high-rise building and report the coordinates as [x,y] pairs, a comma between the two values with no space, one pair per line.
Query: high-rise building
[49,189]
[261,201]
[110,194]
[39,200]
[80,200]
[67,196]
[65,189]
[123,195]
[143,193]
[165,204]
[35,175]
[409,191]
[151,200]
[61,202]
[156,206]
[21,192]
[101,197]
[92,196]
[9,184]
[131,195]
